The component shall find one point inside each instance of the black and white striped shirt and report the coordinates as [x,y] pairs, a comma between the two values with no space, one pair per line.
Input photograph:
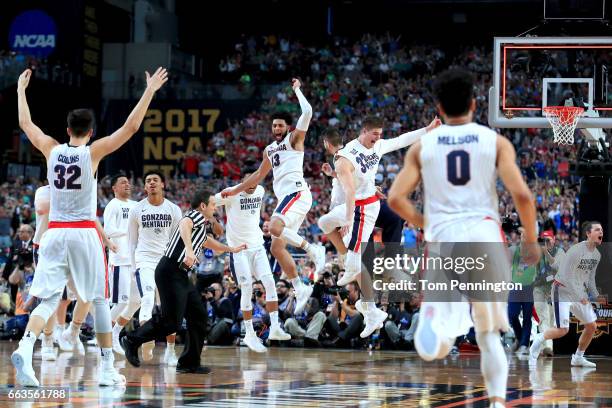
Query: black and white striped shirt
[176,247]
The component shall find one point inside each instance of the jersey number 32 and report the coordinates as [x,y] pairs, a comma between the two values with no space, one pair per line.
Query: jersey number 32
[66,177]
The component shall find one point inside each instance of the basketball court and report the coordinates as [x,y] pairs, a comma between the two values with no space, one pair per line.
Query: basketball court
[287,377]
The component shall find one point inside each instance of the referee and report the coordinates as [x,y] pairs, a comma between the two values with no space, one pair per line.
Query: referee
[179,298]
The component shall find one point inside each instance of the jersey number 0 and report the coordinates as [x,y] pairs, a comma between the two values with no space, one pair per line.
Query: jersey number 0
[458,167]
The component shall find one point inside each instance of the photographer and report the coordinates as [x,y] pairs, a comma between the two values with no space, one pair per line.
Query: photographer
[261,318]
[325,288]
[309,323]
[344,321]
[220,315]
[401,326]
[542,287]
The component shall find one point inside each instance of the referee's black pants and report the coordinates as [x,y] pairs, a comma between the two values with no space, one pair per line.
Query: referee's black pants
[179,298]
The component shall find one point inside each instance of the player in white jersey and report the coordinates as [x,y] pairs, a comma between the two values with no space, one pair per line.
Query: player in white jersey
[150,225]
[71,249]
[573,290]
[458,163]
[285,157]
[243,216]
[68,339]
[120,264]
[351,223]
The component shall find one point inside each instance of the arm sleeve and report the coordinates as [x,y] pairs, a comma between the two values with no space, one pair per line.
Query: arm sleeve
[111,222]
[304,120]
[558,259]
[178,216]
[133,235]
[403,140]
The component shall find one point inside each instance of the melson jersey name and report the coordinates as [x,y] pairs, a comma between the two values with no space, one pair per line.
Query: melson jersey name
[156,220]
[455,140]
[252,203]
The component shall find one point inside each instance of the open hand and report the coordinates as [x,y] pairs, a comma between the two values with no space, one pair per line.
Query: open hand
[159,77]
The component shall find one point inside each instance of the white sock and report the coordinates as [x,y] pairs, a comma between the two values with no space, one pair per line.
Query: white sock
[579,353]
[28,340]
[297,283]
[292,238]
[75,329]
[47,341]
[107,357]
[493,364]
[274,319]
[117,329]
[248,325]
[368,306]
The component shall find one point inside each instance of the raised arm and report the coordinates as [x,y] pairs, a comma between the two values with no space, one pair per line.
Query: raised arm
[109,144]
[35,135]
[406,139]
[521,195]
[344,171]
[404,184]
[299,133]
[254,179]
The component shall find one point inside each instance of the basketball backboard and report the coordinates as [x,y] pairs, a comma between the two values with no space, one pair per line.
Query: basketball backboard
[530,73]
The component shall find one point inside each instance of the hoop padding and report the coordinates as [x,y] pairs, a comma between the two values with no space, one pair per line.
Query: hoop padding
[563,120]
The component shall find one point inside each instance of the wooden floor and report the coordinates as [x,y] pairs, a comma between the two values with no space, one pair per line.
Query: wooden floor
[288,377]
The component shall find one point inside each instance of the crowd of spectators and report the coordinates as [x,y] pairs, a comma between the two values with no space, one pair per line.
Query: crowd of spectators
[344,82]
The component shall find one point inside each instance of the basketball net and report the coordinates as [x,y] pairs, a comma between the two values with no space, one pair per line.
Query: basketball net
[563,120]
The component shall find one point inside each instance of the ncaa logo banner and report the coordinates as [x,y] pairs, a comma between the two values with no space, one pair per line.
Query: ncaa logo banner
[33,33]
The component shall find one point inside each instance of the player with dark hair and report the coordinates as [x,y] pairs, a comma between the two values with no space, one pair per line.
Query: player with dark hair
[573,290]
[120,271]
[285,157]
[458,164]
[71,249]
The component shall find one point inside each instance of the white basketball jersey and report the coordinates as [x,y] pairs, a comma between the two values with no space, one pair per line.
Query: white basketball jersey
[42,220]
[154,225]
[243,217]
[74,188]
[458,167]
[116,220]
[287,167]
[365,161]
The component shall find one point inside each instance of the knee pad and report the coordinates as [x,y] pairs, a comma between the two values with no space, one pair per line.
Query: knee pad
[270,286]
[146,306]
[47,307]
[246,292]
[102,320]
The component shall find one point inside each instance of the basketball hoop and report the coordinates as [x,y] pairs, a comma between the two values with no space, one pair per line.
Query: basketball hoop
[563,120]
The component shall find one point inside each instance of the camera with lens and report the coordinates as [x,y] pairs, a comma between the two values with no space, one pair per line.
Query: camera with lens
[337,290]
[258,293]
[210,290]
[25,258]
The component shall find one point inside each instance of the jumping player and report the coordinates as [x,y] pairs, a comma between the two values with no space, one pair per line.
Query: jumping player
[458,163]
[349,224]
[71,249]
[285,157]
[573,289]
[243,216]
